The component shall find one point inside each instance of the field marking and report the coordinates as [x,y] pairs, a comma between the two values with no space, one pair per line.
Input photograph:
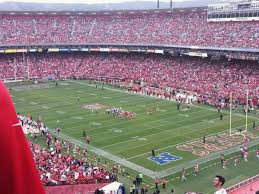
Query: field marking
[152,133]
[21,99]
[45,107]
[180,135]
[162,110]
[33,103]
[139,94]
[214,110]
[147,124]
[211,157]
[38,107]
[105,154]
[60,112]
[195,123]
[103,127]
[204,168]
[114,130]
[199,107]
[142,139]
[147,96]
[106,132]
[129,131]
[71,103]
[177,128]
[164,158]
[184,115]
[121,122]
[77,117]
[93,123]
[64,84]
[134,166]
[140,118]
[117,124]
[174,145]
[40,110]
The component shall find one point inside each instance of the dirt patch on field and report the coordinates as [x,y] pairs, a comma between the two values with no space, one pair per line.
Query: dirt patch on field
[95,106]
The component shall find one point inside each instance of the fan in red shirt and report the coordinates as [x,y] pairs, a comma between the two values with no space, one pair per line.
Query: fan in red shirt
[18,174]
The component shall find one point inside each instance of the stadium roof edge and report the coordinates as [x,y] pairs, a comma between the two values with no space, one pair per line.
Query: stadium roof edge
[106,12]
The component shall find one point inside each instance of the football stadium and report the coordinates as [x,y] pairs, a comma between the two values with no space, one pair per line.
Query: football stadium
[129,97]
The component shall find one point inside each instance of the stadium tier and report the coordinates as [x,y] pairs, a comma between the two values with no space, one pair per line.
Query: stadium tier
[211,80]
[177,28]
[56,169]
[147,97]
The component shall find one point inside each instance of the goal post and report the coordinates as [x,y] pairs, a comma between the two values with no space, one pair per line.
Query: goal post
[230,114]
[236,132]
[247,94]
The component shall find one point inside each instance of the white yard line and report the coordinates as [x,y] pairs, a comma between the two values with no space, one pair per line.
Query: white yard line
[174,145]
[194,131]
[118,90]
[145,128]
[157,132]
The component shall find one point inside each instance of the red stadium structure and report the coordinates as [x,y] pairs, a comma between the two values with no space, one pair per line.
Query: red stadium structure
[180,27]
[249,186]
[164,48]
[90,188]
[210,80]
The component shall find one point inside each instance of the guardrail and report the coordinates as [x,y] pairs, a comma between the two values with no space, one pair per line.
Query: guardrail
[243,183]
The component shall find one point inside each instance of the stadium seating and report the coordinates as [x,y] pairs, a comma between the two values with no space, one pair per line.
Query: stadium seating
[211,80]
[58,169]
[178,28]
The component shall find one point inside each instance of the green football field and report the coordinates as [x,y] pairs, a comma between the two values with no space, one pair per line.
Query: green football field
[163,130]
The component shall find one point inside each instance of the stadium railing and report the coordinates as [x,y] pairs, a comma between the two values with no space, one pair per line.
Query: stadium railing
[74,189]
[243,183]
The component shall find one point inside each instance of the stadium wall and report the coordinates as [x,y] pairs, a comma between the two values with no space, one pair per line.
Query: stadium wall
[74,189]
[248,186]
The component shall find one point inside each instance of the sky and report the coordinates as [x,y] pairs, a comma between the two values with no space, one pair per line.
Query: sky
[83,1]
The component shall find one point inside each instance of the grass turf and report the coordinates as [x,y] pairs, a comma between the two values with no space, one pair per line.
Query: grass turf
[201,183]
[135,138]
[130,139]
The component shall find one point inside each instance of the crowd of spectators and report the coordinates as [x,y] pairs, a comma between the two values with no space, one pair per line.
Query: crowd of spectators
[59,163]
[61,169]
[212,81]
[177,28]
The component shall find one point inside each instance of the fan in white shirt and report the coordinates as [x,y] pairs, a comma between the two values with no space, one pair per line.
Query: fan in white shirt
[221,191]
[218,183]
